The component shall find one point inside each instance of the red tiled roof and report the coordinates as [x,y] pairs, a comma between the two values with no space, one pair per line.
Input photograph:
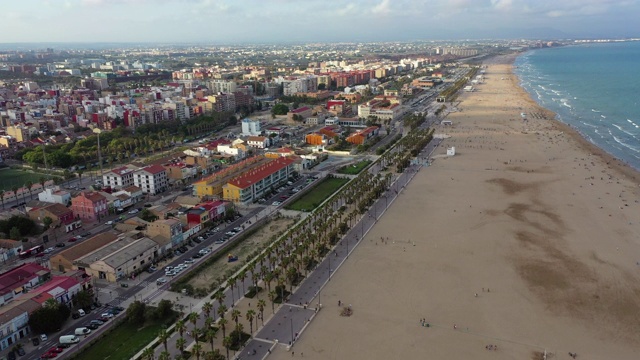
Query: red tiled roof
[299,110]
[93,196]
[153,169]
[253,176]
[19,276]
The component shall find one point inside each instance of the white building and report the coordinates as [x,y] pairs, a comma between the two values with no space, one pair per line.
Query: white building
[223,86]
[251,127]
[230,150]
[118,178]
[151,179]
[259,142]
[55,195]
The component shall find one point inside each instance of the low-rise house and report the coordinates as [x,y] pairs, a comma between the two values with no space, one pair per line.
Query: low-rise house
[20,280]
[55,195]
[253,184]
[9,249]
[89,206]
[170,230]
[65,260]
[259,142]
[360,137]
[59,214]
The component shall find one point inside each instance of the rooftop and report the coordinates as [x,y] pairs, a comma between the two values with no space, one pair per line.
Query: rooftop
[87,246]
[254,175]
[153,169]
[19,276]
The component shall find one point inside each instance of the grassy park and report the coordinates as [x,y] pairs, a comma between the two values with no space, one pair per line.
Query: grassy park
[317,195]
[355,168]
[14,177]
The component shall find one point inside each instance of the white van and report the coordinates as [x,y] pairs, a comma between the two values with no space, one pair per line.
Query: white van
[82,331]
[69,339]
[81,312]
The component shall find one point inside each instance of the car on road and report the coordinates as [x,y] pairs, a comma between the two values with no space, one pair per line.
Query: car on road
[237,229]
[61,245]
[87,234]
[276,203]
[43,337]
[110,222]
[73,239]
[49,250]
[134,211]
[161,281]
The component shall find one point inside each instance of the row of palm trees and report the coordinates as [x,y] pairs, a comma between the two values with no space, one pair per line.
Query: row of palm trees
[289,258]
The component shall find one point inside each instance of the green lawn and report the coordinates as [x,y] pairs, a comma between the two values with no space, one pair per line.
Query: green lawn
[121,343]
[355,168]
[14,177]
[317,195]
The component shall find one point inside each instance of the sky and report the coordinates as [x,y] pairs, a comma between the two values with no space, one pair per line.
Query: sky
[286,21]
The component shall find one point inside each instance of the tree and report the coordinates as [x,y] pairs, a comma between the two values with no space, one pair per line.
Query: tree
[83,299]
[181,327]
[280,109]
[210,336]
[163,336]
[164,309]
[250,315]
[227,342]
[197,350]
[14,233]
[49,318]
[135,312]
[223,326]
[47,221]
[193,318]
[148,354]
[261,306]
[165,355]
[206,308]
[180,344]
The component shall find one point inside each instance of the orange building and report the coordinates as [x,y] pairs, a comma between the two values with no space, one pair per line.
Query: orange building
[362,136]
[315,139]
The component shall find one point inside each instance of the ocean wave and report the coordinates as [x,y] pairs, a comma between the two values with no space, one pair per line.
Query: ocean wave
[602,116]
[632,123]
[594,110]
[631,147]
[565,102]
[623,130]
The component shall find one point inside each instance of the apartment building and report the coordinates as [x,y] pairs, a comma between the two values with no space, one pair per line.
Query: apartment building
[118,178]
[151,179]
[253,184]
[90,206]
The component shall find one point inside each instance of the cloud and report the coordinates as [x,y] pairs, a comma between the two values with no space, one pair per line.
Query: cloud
[501,4]
[382,8]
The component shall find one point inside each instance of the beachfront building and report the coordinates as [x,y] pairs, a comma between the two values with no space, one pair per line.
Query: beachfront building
[211,186]
[89,206]
[254,183]
[151,179]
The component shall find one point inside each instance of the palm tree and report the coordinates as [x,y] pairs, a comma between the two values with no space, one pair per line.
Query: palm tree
[163,336]
[180,344]
[239,331]
[193,318]
[2,192]
[250,315]
[272,297]
[148,354]
[232,283]
[181,327]
[227,342]
[197,350]
[222,309]
[223,326]
[210,335]
[29,185]
[165,355]
[196,332]
[261,305]
[206,308]
[236,315]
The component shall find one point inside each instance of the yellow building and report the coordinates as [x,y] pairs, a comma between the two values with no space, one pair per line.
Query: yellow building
[212,185]
[253,184]
[18,132]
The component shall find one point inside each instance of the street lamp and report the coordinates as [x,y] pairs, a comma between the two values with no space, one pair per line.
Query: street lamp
[98,131]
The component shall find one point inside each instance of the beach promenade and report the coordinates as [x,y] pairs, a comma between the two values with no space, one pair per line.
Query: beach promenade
[523,243]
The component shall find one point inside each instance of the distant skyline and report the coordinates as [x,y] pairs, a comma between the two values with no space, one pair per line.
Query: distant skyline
[283,21]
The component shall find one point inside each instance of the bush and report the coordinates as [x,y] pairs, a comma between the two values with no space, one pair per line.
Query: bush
[253,291]
[238,339]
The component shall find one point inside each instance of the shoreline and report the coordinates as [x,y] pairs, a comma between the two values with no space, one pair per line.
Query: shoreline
[620,165]
[524,240]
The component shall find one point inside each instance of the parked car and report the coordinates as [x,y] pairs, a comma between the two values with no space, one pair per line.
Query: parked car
[43,337]
[56,349]
[75,315]
[134,211]
[198,240]
[48,355]
[73,239]
[35,341]
[87,234]
[21,351]
[92,326]
[161,281]
[61,245]
[49,250]
[110,222]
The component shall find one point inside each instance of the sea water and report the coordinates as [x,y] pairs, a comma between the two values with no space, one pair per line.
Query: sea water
[595,88]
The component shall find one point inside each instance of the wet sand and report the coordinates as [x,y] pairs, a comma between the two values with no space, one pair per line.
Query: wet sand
[527,239]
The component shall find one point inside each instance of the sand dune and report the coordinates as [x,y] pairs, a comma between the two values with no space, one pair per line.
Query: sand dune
[543,227]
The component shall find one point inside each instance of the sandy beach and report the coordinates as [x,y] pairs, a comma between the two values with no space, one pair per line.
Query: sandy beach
[527,240]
